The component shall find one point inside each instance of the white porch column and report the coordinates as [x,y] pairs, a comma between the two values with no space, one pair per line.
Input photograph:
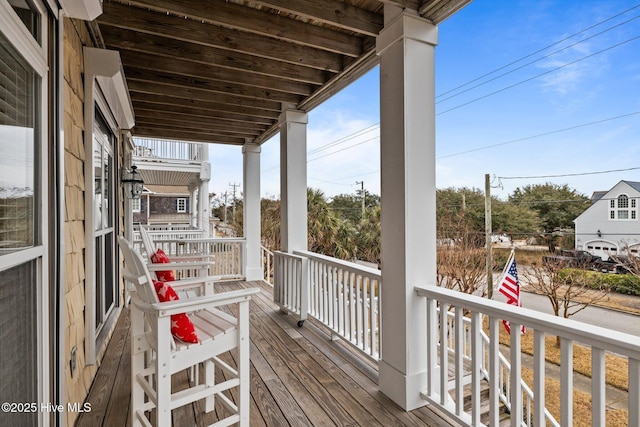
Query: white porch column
[251,209]
[193,206]
[293,180]
[204,209]
[407,152]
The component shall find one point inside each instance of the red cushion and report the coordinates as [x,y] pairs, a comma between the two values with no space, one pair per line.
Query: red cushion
[160,257]
[181,326]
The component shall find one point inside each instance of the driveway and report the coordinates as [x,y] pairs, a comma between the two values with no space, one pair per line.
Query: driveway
[606,318]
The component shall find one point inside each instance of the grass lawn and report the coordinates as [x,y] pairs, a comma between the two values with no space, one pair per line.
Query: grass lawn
[616,375]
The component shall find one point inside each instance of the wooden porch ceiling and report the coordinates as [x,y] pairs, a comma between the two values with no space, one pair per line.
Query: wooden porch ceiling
[220,71]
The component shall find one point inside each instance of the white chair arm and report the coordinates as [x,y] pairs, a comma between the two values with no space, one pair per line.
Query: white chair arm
[190,265]
[200,303]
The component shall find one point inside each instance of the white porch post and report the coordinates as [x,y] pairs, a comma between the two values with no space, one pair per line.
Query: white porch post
[251,209]
[407,152]
[204,210]
[193,206]
[293,180]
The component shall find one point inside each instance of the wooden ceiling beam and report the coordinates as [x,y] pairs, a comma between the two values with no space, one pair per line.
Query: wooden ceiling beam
[235,16]
[212,86]
[186,126]
[332,12]
[188,68]
[157,132]
[121,39]
[205,108]
[188,30]
[204,122]
[195,93]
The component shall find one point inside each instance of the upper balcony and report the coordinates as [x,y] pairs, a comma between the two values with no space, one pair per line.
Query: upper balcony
[168,162]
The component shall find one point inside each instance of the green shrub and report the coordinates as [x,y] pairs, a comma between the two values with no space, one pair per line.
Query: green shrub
[620,283]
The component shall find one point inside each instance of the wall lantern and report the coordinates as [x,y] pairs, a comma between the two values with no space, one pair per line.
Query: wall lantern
[133,184]
[599,233]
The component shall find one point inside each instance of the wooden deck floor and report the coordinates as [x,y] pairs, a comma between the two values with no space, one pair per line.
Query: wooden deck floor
[299,377]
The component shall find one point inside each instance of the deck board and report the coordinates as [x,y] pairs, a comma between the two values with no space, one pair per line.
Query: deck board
[299,377]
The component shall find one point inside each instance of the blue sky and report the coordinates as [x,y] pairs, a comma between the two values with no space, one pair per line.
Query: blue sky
[524,89]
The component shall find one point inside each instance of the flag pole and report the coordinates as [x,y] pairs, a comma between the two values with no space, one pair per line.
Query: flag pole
[512,254]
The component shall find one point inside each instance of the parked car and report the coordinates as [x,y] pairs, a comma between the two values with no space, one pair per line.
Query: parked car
[575,259]
[623,264]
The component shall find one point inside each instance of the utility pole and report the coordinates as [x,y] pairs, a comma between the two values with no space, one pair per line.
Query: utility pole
[488,232]
[362,194]
[234,185]
[225,208]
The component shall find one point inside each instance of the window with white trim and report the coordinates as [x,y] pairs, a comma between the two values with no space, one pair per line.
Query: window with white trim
[181,205]
[24,185]
[136,205]
[623,208]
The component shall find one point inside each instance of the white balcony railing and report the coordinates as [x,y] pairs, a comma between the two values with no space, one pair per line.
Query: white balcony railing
[267,264]
[342,295]
[522,412]
[159,149]
[346,297]
[291,284]
[455,318]
[228,254]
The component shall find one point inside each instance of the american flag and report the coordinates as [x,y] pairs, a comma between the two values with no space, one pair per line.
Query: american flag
[510,287]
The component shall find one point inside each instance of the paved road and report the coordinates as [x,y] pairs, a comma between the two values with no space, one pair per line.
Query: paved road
[611,319]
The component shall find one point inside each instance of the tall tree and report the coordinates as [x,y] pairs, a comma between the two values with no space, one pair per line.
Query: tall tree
[368,238]
[349,206]
[568,290]
[557,205]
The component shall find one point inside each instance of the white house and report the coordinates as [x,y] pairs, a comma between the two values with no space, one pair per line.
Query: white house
[610,225]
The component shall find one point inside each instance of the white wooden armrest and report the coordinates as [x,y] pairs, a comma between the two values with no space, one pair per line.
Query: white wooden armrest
[200,303]
[191,258]
[193,282]
[190,265]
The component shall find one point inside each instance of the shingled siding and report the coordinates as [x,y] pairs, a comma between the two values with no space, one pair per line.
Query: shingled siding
[77,383]
[166,205]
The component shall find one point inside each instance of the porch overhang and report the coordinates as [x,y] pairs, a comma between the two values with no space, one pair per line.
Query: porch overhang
[222,71]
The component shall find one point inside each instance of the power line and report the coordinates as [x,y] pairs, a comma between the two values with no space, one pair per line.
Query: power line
[540,135]
[542,50]
[338,141]
[345,138]
[534,61]
[343,149]
[569,174]
[539,75]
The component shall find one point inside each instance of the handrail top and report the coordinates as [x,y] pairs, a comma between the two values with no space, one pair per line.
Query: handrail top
[341,263]
[596,336]
[202,240]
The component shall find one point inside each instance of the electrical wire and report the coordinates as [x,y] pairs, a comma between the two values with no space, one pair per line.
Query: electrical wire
[534,61]
[569,174]
[539,135]
[538,75]
[541,50]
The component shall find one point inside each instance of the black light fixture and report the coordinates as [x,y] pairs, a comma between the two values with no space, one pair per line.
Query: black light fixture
[133,184]
[599,233]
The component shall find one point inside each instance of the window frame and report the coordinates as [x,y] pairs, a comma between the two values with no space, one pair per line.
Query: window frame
[623,208]
[36,54]
[181,201]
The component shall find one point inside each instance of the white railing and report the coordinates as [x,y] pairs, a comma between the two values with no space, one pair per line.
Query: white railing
[228,254]
[345,297]
[157,149]
[291,284]
[267,264]
[342,295]
[569,331]
[504,367]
